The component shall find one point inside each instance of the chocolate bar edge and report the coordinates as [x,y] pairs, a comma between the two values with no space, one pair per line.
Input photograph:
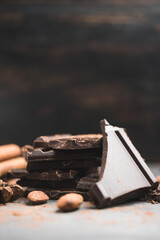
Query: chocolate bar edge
[101,202]
[97,196]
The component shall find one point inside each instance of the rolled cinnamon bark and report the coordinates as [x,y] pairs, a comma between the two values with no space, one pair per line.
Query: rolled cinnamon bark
[14,163]
[9,151]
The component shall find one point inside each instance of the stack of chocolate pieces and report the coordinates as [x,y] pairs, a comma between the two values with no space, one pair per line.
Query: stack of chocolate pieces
[62,164]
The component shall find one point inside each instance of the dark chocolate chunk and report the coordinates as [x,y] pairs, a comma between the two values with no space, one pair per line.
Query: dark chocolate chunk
[17,173]
[17,190]
[70,142]
[43,165]
[25,150]
[56,194]
[83,183]
[124,174]
[65,154]
[91,172]
[49,184]
[43,141]
[54,175]
[152,196]
[5,194]
[86,183]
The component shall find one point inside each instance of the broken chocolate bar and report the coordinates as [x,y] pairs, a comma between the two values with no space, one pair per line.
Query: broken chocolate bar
[17,173]
[64,154]
[47,164]
[69,142]
[25,150]
[43,141]
[84,183]
[124,174]
[54,175]
[71,183]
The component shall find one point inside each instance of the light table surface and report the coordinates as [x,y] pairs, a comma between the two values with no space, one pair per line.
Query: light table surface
[133,220]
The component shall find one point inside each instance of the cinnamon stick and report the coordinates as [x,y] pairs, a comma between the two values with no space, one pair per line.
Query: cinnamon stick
[9,151]
[14,163]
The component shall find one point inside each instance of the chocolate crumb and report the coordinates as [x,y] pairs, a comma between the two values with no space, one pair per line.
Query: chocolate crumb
[5,194]
[18,192]
[16,213]
[153,196]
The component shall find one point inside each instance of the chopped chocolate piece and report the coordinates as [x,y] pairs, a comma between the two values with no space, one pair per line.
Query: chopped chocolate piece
[25,150]
[17,173]
[124,174]
[83,183]
[43,141]
[64,154]
[153,196]
[72,183]
[86,183]
[54,175]
[56,194]
[18,192]
[91,173]
[5,194]
[39,165]
[69,142]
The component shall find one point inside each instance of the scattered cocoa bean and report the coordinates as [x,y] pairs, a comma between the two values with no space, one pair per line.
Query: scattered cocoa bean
[37,197]
[70,202]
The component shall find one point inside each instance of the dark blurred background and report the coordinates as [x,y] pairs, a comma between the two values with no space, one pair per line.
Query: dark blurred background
[65,65]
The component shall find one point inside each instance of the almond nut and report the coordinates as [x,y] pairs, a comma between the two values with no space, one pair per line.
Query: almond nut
[70,202]
[37,197]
